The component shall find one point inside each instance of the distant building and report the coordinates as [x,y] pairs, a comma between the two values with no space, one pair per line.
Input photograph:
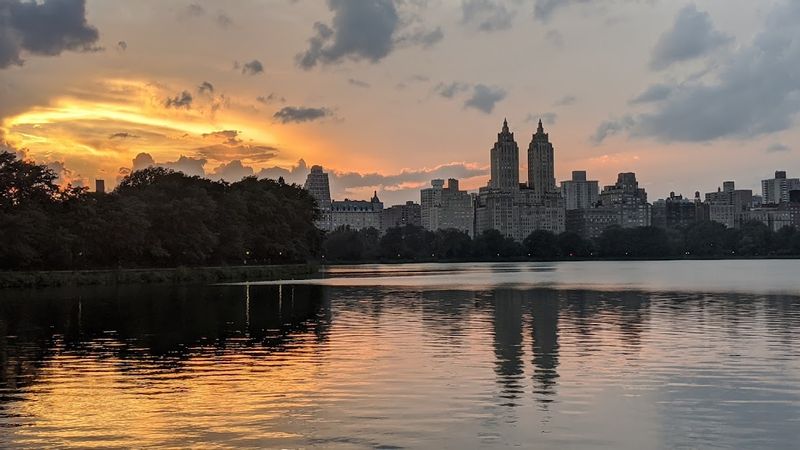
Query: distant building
[515,209]
[401,215]
[578,192]
[446,207]
[727,204]
[622,204]
[100,186]
[356,214]
[675,211]
[318,185]
[776,190]
[775,216]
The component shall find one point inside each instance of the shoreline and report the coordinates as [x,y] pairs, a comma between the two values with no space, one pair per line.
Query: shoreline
[176,275]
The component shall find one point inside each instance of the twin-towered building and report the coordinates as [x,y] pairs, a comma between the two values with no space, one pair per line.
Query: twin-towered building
[517,209]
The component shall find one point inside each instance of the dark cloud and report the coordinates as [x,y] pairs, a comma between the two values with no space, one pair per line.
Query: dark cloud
[182,100]
[123,135]
[691,36]
[122,45]
[484,98]
[450,90]
[253,67]
[486,15]
[543,10]
[294,175]
[204,87]
[297,114]
[612,127]
[224,21]
[271,98]
[778,148]
[43,28]
[566,100]
[423,37]
[360,29]
[230,137]
[187,165]
[654,93]
[751,92]
[232,171]
[255,154]
[548,118]
[358,83]
[194,10]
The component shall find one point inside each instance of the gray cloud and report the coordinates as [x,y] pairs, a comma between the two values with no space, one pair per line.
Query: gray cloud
[298,114]
[543,10]
[484,98]
[230,150]
[423,37]
[253,67]
[43,28]
[230,137]
[182,100]
[294,175]
[555,38]
[223,20]
[358,83]
[752,92]
[450,90]
[486,15]
[778,148]
[566,100]
[548,118]
[271,98]
[232,171]
[360,29]
[654,93]
[187,165]
[194,10]
[123,135]
[204,87]
[691,36]
[612,127]
[122,45]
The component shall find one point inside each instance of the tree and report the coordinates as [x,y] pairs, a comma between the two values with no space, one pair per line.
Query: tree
[541,244]
[493,244]
[572,244]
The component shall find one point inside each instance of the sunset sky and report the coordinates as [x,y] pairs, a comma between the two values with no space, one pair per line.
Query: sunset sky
[389,94]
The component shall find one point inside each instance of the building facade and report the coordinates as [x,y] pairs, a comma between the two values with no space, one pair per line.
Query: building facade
[776,190]
[356,214]
[675,212]
[401,215]
[578,192]
[448,207]
[728,203]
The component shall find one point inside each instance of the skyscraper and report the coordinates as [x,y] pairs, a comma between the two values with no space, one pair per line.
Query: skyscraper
[541,165]
[318,186]
[776,190]
[446,207]
[504,158]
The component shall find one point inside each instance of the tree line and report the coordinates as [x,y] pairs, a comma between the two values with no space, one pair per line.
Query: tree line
[701,240]
[154,218]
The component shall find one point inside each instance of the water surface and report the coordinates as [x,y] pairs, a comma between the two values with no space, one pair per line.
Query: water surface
[567,355]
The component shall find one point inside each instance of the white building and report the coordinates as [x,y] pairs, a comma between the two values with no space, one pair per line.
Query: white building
[446,207]
[776,190]
[578,192]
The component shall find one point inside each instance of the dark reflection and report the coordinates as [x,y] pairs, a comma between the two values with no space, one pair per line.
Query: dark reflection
[508,343]
[163,324]
[544,310]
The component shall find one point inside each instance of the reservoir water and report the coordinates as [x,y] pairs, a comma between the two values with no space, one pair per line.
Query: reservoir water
[614,355]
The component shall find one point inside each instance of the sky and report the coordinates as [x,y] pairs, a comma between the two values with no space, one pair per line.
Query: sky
[389,94]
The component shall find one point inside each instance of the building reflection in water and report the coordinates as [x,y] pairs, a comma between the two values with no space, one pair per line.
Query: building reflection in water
[509,363]
[544,309]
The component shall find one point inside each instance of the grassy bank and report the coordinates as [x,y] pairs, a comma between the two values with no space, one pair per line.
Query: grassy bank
[180,275]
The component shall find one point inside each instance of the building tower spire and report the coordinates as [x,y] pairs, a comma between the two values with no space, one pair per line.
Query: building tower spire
[540,129]
[505,125]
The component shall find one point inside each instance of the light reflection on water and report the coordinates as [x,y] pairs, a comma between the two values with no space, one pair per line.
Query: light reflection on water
[461,364]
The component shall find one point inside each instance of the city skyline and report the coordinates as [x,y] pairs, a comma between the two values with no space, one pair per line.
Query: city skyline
[226,90]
